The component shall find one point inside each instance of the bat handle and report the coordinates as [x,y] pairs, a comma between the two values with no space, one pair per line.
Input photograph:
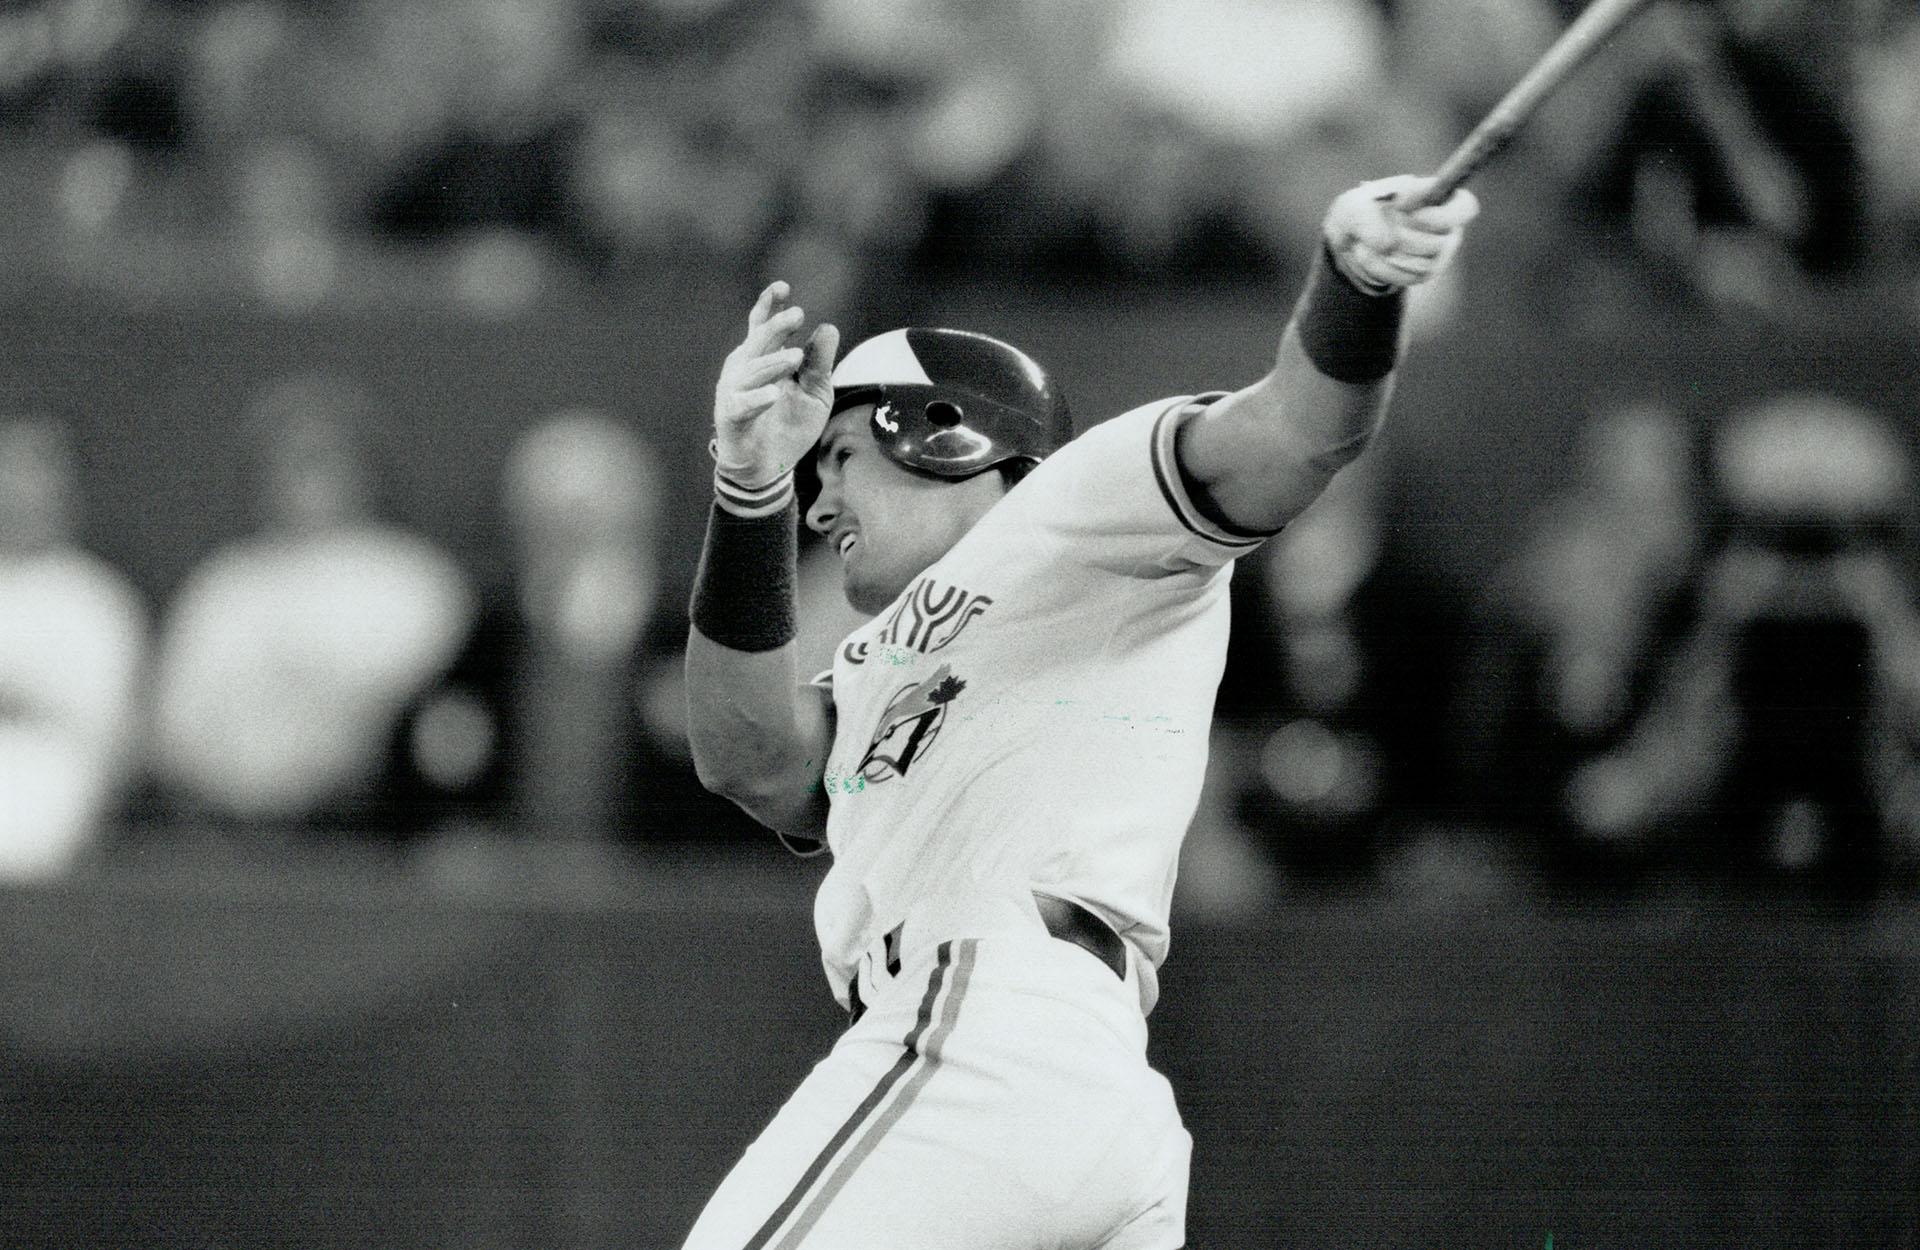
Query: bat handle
[1595,25]
[1446,180]
[1457,168]
[1445,183]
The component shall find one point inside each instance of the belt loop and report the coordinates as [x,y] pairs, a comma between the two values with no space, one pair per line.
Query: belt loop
[869,966]
[892,946]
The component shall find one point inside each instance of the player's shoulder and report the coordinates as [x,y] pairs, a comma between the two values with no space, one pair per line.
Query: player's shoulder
[1145,420]
[1113,436]
[1143,435]
[1135,419]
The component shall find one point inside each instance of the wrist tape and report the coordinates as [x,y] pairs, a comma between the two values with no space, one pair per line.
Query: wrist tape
[1349,335]
[743,593]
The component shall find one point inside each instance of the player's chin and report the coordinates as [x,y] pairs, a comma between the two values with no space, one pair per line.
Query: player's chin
[866,593]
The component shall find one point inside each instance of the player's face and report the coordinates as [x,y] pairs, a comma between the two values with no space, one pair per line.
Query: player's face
[886,522]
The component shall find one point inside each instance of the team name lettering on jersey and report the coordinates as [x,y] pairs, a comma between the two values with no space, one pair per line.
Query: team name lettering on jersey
[927,618]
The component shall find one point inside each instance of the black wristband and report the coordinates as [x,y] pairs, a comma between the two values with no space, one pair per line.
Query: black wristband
[1349,335]
[743,593]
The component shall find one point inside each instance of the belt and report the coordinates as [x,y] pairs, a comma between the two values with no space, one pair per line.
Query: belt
[1064,919]
[1070,922]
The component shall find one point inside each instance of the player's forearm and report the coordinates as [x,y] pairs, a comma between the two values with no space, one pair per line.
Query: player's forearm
[758,736]
[1256,458]
[747,721]
[1327,394]
[1259,456]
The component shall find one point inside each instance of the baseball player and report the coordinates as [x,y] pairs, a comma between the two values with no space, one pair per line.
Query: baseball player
[1004,759]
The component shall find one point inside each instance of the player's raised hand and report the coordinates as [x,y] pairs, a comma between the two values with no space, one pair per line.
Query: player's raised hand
[1380,244]
[775,391]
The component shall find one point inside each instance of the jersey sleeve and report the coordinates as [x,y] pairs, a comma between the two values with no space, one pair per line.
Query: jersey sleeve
[1116,499]
[799,844]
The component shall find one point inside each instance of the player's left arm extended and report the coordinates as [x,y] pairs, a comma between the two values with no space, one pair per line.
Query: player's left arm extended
[1254,459]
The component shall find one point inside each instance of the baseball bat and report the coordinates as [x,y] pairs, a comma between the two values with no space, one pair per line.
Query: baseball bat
[1595,25]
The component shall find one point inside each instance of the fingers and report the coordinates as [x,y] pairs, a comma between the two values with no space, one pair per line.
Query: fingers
[1401,188]
[763,307]
[769,368]
[775,332]
[1384,268]
[1407,193]
[816,373]
[771,322]
[750,402]
[761,372]
[1418,243]
[1357,216]
[1452,213]
[1381,242]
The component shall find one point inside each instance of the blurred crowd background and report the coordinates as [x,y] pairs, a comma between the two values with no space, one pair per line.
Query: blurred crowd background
[577,141]
[1692,660]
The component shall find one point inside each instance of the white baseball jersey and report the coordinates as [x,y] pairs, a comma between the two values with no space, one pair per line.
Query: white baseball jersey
[1031,713]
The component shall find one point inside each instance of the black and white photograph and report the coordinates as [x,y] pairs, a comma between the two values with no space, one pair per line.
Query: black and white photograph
[959,624]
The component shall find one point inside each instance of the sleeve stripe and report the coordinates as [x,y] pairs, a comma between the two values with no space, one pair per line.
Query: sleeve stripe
[1166,472]
[754,501]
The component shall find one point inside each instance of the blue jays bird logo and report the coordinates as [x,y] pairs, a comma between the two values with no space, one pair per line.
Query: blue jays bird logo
[909,725]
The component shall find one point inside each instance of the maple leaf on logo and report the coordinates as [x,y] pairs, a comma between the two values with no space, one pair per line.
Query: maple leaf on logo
[946,691]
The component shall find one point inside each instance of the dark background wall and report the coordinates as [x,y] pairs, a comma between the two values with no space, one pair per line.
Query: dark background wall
[202,1051]
[1481,426]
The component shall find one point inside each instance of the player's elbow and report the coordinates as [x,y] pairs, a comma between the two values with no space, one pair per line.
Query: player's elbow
[753,775]
[787,799]
[731,774]
[714,774]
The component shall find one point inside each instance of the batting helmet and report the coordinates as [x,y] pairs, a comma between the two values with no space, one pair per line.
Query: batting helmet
[953,403]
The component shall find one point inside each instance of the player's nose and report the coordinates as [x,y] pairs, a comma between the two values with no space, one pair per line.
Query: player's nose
[824,510]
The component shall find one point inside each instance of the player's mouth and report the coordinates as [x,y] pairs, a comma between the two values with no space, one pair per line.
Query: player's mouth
[846,544]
